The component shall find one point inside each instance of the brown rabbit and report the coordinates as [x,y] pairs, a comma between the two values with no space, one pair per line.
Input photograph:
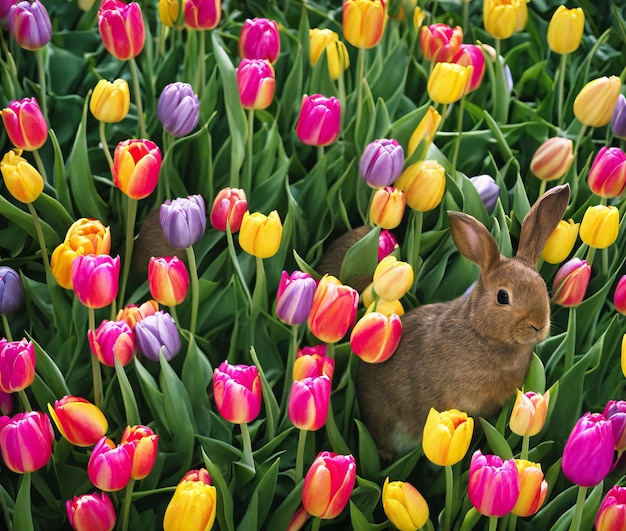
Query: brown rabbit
[470,353]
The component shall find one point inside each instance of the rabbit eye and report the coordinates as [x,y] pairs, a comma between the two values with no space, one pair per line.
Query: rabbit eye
[503,296]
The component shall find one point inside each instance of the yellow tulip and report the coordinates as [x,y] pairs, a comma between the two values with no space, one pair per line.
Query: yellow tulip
[22,180]
[600,226]
[171,12]
[385,307]
[110,101]
[448,82]
[596,101]
[447,436]
[561,242]
[425,130]
[260,235]
[392,278]
[363,22]
[500,18]
[521,14]
[533,488]
[337,57]
[418,17]
[403,504]
[387,207]
[192,506]
[423,183]
[565,30]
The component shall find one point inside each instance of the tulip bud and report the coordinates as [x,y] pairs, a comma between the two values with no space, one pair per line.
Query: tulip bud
[319,121]
[337,57]
[136,166]
[488,190]
[95,279]
[25,124]
[333,310]
[419,15]
[79,421]
[312,362]
[615,412]
[500,18]
[612,513]
[596,101]
[392,278]
[91,512]
[403,504]
[202,14]
[121,28]
[552,158]
[171,12]
[193,505]
[607,175]
[157,334]
[387,207]
[424,184]
[561,242]
[565,30]
[260,235]
[146,449]
[11,290]
[256,83]
[183,220]
[619,297]
[110,101]
[448,82]
[533,488]
[132,314]
[618,120]
[387,243]
[259,39]
[529,413]
[308,404]
[110,466]
[440,42]
[295,297]
[570,283]
[381,162]
[178,108]
[237,392]
[111,340]
[17,365]
[493,485]
[168,280]
[425,130]
[472,55]
[599,226]
[29,24]
[363,22]
[375,337]
[447,436]
[229,207]
[26,441]
[22,180]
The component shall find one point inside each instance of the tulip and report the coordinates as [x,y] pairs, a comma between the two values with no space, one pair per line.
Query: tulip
[375,337]
[588,452]
[387,308]
[168,280]
[157,334]
[259,39]
[440,42]
[570,283]
[596,101]
[26,441]
[619,297]
[312,362]
[328,484]
[472,55]
[183,220]
[404,506]
[529,413]
[260,235]
[425,130]
[615,411]
[132,314]
[171,12]
[111,340]
[337,57]
[121,28]
[488,190]
[424,184]
[25,124]
[533,488]
[381,162]
[256,83]
[229,207]
[91,512]
[333,310]
[11,290]
[419,15]
[22,180]
[29,24]
[110,101]
[146,449]
[612,513]
[493,484]
[136,166]
[110,467]
[237,392]
[552,158]
[607,175]
[178,108]
[319,121]
[193,505]
[561,242]
[79,421]
[599,226]
[500,18]
[308,404]
[17,365]
[95,279]
[387,243]
[618,120]
[202,14]
[295,297]
[565,30]
[6,403]
[448,82]
[521,14]
[447,436]
[363,22]
[387,207]
[61,264]
[392,278]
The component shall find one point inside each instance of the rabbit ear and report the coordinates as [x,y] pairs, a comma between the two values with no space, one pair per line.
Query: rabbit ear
[473,240]
[541,221]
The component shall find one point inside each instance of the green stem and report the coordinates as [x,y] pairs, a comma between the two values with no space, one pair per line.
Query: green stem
[315,525]
[201,70]
[493,523]
[144,493]
[25,401]
[512,522]
[320,154]
[605,262]
[7,328]
[300,456]
[359,89]
[570,340]
[581,133]
[459,131]
[95,366]
[195,288]
[42,80]
[525,447]
[136,88]
[5,511]
[330,350]
[105,145]
[40,166]
[42,241]
[259,295]
[561,90]
[247,177]
[447,514]
[233,257]
[415,242]
[591,254]
[174,315]
[128,250]
[542,187]
[127,501]
[578,511]
[291,360]
[247,445]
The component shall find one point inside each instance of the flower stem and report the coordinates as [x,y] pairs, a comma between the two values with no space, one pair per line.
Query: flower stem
[359,89]
[140,118]
[128,250]
[561,89]
[201,71]
[42,241]
[459,131]
[95,366]
[542,187]
[25,401]
[7,328]
[300,456]
[315,525]
[127,501]
[493,523]
[40,166]
[105,145]
[447,515]
[591,254]
[413,251]
[525,447]
[247,176]
[578,511]
[247,445]
[195,288]
[259,295]
[291,360]
[570,340]
[320,154]
[42,80]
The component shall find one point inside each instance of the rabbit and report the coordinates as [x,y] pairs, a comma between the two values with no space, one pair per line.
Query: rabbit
[470,353]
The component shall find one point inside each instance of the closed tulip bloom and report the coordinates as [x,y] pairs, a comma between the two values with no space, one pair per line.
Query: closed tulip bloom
[256,83]
[111,340]
[599,226]
[440,42]
[333,310]
[308,402]
[171,12]
[381,162]
[493,484]
[121,28]
[146,449]
[533,488]
[488,190]
[387,308]
[619,297]
[95,279]
[387,243]
[202,14]
[110,466]
[193,506]
[327,40]
[529,413]
[312,362]
[91,512]
[25,124]
[136,166]
[29,24]
[237,392]
[79,421]
[570,283]
[61,264]
[178,108]
[11,290]
[387,207]
[472,55]
[425,130]
[447,436]
[110,101]
[612,513]
[183,220]
[618,120]
[22,180]
[403,504]
[328,484]
[259,39]
[26,441]
[552,158]
[17,365]
[607,175]
[133,313]
[561,242]
[260,235]
[295,297]
[319,122]
[588,452]
[375,336]
[615,412]
[363,22]
[423,183]
[448,82]
[168,280]
[500,18]
[565,30]
[392,278]
[596,101]
[156,334]
[229,207]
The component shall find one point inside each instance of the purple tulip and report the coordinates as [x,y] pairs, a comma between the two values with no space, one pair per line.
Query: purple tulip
[157,333]
[488,190]
[615,411]
[382,162]
[183,220]
[618,121]
[29,24]
[178,109]
[295,297]
[11,290]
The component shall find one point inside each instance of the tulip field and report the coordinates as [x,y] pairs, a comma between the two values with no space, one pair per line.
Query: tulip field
[217,219]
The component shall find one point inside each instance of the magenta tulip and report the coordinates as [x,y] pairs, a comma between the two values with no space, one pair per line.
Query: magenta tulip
[25,124]
[237,392]
[110,466]
[26,441]
[17,365]
[319,122]
[259,39]
[91,512]
[493,484]
[121,28]
[112,339]
[95,279]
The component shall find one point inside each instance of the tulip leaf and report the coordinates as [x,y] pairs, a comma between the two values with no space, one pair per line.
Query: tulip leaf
[361,258]
[368,453]
[261,500]
[224,496]
[22,517]
[152,394]
[196,375]
[496,440]
[128,395]
[358,520]
[284,513]
[24,220]
[470,519]
[590,509]
[536,377]
[402,467]
[48,370]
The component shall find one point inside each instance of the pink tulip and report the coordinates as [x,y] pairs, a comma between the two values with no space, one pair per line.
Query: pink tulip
[110,467]
[112,339]
[79,421]
[472,55]
[440,42]
[121,28]
[259,39]
[146,449]
[615,412]
[607,175]
[91,512]
[202,14]
[312,362]
[237,392]
[25,124]
[319,122]
[570,283]
[17,365]
[26,441]
[96,279]
[229,206]
[333,310]
[136,167]
[256,83]
[493,484]
[375,337]
[308,402]
[612,513]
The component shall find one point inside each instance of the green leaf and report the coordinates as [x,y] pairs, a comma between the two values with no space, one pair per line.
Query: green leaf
[23,518]
[60,179]
[496,440]
[272,409]
[536,377]
[261,500]
[152,394]
[358,520]
[368,453]
[361,258]
[224,497]
[24,220]
[128,395]
[49,371]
